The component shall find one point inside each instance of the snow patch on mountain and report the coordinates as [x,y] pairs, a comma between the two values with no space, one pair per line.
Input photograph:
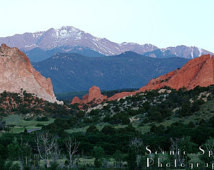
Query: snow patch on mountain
[192,55]
[200,51]
[66,32]
[37,34]
[30,46]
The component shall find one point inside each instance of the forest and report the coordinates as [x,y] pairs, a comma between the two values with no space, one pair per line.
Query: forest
[158,126]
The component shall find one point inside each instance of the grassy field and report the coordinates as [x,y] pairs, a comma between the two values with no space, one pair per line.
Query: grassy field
[18,124]
[83,129]
[99,127]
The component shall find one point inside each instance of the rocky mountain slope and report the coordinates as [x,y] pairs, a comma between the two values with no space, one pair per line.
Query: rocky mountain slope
[197,72]
[17,75]
[72,37]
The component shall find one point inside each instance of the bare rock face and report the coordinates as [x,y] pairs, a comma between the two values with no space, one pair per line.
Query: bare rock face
[16,73]
[197,72]
[76,100]
[94,96]
[121,95]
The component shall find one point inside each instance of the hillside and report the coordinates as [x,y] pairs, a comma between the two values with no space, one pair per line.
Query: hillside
[118,131]
[38,54]
[28,104]
[73,72]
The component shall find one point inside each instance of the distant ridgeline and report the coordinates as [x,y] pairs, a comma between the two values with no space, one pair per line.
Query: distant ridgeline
[74,72]
[43,44]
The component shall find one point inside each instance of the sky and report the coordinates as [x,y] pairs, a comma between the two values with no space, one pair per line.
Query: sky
[159,22]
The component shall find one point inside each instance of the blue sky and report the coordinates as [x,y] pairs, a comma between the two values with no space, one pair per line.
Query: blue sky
[159,22]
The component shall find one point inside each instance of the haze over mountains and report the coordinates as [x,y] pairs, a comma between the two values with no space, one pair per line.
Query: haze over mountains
[70,39]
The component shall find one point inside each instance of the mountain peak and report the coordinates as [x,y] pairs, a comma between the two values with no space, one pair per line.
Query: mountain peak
[68,31]
[129,54]
[71,36]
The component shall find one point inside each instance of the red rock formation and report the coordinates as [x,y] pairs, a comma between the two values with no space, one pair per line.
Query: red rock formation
[76,100]
[196,72]
[121,95]
[94,96]
[16,73]
[95,93]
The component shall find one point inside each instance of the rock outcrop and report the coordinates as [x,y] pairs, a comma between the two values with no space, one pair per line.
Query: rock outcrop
[94,97]
[17,74]
[121,95]
[76,100]
[196,72]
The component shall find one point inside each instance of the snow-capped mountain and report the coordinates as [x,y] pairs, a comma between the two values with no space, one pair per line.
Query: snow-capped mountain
[178,51]
[72,37]
[187,52]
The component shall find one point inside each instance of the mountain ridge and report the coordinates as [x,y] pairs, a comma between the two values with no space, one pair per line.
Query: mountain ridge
[71,36]
[38,54]
[74,72]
